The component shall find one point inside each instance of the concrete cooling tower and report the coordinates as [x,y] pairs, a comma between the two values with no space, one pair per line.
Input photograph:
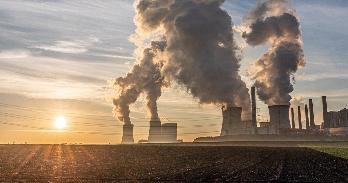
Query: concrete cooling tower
[155,131]
[127,137]
[169,132]
[231,123]
[279,117]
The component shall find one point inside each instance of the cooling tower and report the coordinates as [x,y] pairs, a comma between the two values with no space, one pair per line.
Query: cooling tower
[231,122]
[169,132]
[326,122]
[155,131]
[127,137]
[311,114]
[279,117]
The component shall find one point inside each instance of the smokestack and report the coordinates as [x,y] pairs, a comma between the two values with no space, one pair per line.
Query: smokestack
[231,122]
[155,131]
[299,117]
[292,118]
[311,114]
[127,137]
[307,118]
[253,109]
[326,125]
[279,117]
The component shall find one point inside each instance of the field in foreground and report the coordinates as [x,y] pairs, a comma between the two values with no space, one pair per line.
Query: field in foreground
[67,163]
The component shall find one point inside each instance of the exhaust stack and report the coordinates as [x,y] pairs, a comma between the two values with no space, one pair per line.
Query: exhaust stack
[292,118]
[326,125]
[307,118]
[299,117]
[253,109]
[311,114]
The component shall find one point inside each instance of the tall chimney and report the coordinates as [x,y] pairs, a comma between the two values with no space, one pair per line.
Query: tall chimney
[299,117]
[127,137]
[326,125]
[253,109]
[311,114]
[292,118]
[307,118]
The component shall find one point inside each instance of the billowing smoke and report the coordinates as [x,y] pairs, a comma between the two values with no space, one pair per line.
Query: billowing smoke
[275,22]
[197,51]
[145,77]
[201,51]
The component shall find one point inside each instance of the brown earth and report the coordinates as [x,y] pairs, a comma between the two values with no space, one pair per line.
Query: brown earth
[145,163]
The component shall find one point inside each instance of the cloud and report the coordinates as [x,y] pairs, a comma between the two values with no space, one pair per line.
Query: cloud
[71,47]
[13,54]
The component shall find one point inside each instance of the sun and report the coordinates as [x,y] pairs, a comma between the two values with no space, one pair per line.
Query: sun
[60,123]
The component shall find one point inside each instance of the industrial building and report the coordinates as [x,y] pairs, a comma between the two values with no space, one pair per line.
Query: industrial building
[158,133]
[279,126]
[335,123]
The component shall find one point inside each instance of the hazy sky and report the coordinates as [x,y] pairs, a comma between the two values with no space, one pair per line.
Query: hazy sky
[57,56]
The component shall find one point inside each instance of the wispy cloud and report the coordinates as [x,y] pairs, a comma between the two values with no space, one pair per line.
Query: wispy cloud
[65,47]
[13,54]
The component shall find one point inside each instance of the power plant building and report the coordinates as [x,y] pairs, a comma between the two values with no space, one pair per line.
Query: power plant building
[279,117]
[127,137]
[169,132]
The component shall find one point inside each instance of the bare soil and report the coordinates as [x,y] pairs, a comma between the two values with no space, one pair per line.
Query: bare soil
[155,163]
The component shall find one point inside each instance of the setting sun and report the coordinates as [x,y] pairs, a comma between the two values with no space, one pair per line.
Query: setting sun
[60,123]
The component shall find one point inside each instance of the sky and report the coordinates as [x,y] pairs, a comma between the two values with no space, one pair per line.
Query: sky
[58,57]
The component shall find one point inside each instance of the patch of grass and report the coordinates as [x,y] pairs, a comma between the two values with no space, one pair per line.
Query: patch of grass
[335,151]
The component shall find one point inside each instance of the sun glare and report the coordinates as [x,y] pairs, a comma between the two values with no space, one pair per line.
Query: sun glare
[60,123]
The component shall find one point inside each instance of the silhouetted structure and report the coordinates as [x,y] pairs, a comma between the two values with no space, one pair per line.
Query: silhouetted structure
[299,117]
[279,117]
[231,122]
[127,137]
[326,123]
[307,118]
[155,131]
[292,118]
[253,109]
[311,114]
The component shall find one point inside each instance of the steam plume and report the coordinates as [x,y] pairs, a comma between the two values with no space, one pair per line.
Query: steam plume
[197,50]
[201,51]
[144,77]
[275,22]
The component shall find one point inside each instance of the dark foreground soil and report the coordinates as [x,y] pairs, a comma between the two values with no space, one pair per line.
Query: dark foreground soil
[151,163]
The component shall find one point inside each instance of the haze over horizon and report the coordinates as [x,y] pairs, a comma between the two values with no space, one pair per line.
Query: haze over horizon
[56,58]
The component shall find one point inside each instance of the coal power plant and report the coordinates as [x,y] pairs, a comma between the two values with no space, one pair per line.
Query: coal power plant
[282,125]
[279,127]
[206,63]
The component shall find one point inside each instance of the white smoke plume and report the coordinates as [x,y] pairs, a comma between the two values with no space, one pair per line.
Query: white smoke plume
[201,50]
[276,23]
[145,77]
[198,52]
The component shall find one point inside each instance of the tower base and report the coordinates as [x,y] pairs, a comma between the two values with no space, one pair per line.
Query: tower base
[127,137]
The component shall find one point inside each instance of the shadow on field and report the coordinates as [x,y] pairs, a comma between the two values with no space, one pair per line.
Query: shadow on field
[90,163]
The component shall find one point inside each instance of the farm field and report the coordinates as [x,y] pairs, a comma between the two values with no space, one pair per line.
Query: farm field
[115,163]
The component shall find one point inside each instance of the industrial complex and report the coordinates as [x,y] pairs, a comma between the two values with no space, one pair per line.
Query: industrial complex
[281,126]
